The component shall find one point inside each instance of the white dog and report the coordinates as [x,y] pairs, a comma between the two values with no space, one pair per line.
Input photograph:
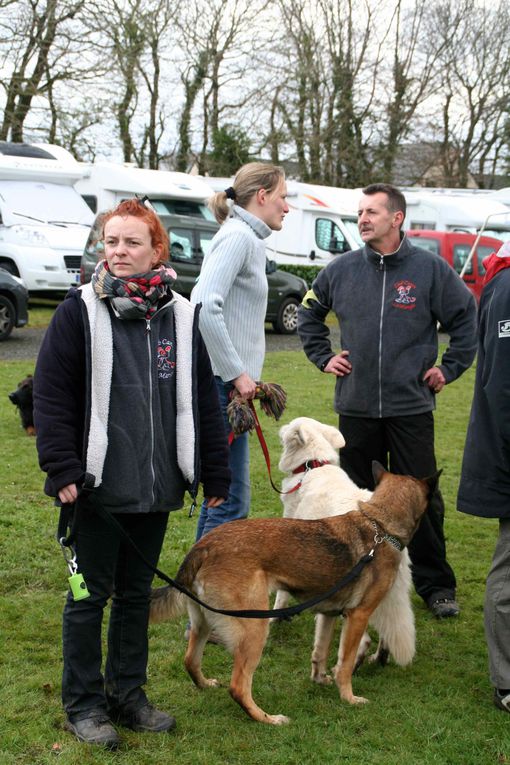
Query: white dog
[318,487]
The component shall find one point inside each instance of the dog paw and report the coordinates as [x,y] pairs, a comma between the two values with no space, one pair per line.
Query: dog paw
[278,719]
[321,678]
[357,700]
[210,682]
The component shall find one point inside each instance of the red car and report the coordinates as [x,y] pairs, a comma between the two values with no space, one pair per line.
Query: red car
[455,247]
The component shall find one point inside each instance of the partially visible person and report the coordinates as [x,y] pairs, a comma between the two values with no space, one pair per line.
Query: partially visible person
[232,289]
[124,396]
[484,488]
[388,298]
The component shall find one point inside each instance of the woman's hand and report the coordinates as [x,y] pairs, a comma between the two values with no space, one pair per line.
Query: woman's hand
[214,501]
[245,386]
[68,494]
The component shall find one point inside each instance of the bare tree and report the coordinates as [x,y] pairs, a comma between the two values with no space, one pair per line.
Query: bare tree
[36,37]
[218,37]
[416,64]
[475,85]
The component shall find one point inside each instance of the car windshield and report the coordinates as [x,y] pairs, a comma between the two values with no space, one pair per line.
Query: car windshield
[34,201]
[351,224]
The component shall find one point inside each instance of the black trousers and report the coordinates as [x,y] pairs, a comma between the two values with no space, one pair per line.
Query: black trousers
[111,570]
[404,445]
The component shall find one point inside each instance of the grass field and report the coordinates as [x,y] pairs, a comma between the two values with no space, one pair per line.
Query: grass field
[439,710]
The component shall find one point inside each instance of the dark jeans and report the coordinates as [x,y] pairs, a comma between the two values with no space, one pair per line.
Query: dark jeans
[111,568]
[237,504]
[404,445]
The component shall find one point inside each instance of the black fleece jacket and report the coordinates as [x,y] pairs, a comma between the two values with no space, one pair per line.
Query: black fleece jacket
[62,408]
[388,309]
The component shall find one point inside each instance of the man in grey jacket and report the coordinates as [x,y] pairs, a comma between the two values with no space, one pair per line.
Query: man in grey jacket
[388,298]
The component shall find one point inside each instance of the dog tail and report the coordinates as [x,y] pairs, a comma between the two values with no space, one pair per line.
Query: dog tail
[167,602]
[394,618]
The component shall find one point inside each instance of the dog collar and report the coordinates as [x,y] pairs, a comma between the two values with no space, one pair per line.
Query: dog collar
[309,464]
[382,536]
[397,544]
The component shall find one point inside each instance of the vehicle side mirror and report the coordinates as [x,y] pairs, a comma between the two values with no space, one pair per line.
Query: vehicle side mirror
[271,266]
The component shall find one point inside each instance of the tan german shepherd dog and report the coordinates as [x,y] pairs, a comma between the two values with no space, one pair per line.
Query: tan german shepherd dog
[238,564]
[323,490]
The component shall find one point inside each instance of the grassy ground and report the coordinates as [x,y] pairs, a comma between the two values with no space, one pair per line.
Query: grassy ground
[438,710]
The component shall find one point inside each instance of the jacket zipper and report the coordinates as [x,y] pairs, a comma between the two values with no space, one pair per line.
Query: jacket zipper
[383,269]
[151,413]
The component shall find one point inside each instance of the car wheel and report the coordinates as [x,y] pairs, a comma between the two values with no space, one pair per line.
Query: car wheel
[7,317]
[9,266]
[286,321]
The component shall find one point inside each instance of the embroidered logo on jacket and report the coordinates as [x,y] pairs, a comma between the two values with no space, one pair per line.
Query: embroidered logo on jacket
[166,359]
[504,328]
[404,300]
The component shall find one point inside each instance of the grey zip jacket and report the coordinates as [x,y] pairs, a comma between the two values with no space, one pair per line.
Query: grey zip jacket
[388,309]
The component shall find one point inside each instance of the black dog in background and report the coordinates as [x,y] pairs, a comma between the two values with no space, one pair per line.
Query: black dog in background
[22,398]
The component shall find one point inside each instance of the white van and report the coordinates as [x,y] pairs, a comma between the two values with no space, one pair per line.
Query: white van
[321,223]
[462,210]
[44,223]
[105,184]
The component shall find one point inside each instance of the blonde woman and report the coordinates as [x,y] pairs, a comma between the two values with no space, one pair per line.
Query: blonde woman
[232,289]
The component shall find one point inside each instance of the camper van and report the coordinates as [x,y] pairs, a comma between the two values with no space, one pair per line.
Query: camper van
[461,210]
[44,223]
[321,223]
[105,184]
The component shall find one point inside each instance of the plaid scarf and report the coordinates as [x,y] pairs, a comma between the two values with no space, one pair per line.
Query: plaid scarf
[136,296]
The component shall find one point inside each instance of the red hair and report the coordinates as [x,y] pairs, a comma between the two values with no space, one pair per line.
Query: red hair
[137,209]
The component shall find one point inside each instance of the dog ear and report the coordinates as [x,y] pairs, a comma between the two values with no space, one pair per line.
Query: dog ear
[333,436]
[302,433]
[432,481]
[292,432]
[377,471]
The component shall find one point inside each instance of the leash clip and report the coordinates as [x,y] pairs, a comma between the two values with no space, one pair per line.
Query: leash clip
[76,581]
[69,556]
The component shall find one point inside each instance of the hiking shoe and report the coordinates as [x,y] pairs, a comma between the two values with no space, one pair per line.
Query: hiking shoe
[442,608]
[94,730]
[502,699]
[147,719]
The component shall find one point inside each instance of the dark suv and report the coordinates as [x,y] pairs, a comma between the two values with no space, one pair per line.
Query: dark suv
[190,238]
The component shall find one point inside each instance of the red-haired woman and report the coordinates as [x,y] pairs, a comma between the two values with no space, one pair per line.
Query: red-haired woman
[123,386]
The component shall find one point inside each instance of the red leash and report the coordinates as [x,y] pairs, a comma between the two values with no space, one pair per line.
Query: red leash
[262,441]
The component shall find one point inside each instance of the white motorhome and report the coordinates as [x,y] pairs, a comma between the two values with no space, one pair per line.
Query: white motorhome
[44,223]
[321,223]
[457,211]
[105,184]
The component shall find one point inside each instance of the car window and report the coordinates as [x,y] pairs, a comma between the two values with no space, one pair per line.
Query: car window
[460,254]
[426,244]
[328,236]
[182,207]
[482,252]
[181,244]
[95,245]
[205,239]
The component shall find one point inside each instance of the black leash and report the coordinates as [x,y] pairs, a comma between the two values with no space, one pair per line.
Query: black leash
[278,613]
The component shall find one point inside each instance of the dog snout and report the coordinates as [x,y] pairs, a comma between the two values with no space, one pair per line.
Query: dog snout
[14,397]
